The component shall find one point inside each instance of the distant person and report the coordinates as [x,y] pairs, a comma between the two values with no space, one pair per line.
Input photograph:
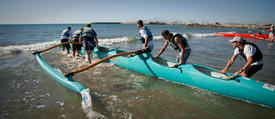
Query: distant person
[89,40]
[259,34]
[271,33]
[179,43]
[145,37]
[76,38]
[250,52]
[65,36]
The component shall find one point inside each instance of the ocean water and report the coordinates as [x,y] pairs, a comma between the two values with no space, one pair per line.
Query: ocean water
[28,92]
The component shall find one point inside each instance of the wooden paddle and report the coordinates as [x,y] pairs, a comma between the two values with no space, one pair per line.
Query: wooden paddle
[64,43]
[102,60]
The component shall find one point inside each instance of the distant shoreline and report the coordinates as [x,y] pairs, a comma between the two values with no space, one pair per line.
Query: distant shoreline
[195,25]
[230,26]
[250,26]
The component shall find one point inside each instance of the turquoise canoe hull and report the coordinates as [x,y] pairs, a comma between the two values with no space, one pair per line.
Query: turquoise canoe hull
[196,76]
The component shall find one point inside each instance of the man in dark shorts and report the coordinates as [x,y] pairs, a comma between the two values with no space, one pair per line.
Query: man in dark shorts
[76,47]
[89,40]
[65,36]
[250,52]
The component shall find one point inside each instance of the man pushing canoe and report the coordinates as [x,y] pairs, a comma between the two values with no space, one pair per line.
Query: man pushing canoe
[146,37]
[178,42]
[250,52]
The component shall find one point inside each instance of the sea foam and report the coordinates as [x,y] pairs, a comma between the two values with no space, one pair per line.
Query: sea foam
[17,49]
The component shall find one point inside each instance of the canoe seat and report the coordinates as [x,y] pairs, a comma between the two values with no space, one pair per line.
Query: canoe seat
[164,62]
[218,74]
[210,72]
[103,49]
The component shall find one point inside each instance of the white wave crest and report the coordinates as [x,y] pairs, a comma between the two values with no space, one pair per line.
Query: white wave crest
[157,37]
[9,50]
[199,35]
[109,41]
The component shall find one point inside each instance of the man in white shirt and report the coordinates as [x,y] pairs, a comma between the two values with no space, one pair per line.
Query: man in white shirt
[251,54]
[145,37]
[65,36]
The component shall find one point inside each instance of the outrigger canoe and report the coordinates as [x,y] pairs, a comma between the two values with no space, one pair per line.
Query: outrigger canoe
[252,36]
[196,76]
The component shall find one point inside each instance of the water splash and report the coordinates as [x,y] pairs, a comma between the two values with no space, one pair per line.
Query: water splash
[11,50]
[87,105]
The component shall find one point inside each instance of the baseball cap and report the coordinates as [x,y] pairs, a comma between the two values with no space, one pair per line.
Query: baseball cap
[237,38]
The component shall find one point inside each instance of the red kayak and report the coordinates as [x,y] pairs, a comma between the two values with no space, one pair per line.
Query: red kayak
[252,36]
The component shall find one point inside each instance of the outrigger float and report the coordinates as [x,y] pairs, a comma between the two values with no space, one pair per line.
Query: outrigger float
[65,81]
[247,35]
[194,75]
[68,80]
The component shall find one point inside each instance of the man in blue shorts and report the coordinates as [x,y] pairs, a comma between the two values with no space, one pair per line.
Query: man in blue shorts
[89,40]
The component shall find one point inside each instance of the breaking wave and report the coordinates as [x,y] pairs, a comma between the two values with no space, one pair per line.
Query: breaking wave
[12,50]
[17,49]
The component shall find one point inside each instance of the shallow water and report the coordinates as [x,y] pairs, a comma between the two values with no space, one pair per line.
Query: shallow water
[28,92]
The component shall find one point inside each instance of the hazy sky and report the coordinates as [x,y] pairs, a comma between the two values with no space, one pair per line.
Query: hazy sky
[85,11]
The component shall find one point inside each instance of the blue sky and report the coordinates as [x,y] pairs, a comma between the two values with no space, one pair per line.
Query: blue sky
[85,11]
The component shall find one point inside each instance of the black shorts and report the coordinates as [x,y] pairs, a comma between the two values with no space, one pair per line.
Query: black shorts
[252,69]
[67,45]
[76,46]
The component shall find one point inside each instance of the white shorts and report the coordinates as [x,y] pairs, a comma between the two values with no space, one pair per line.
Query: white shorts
[271,36]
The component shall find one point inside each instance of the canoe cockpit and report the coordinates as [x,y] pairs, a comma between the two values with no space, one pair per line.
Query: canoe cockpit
[103,49]
[164,62]
[210,72]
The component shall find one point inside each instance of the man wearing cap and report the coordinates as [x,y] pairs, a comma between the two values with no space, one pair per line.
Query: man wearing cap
[250,52]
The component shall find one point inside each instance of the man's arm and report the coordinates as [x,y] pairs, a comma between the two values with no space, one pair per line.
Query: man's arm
[145,42]
[96,41]
[229,63]
[71,35]
[178,40]
[162,49]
